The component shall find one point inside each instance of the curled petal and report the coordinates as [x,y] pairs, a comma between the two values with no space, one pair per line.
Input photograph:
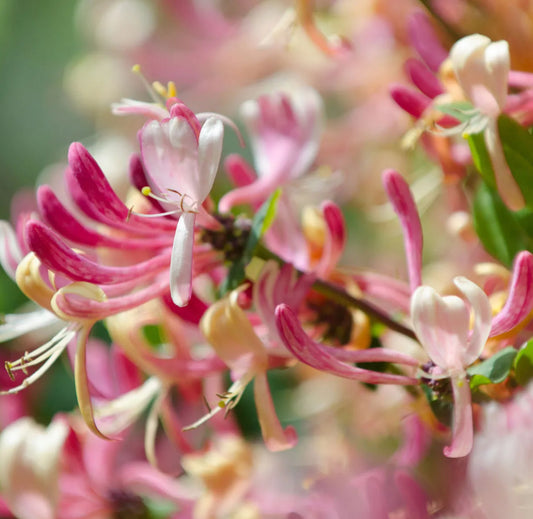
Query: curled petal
[462,428]
[404,205]
[60,258]
[309,352]
[520,301]
[335,238]
[276,439]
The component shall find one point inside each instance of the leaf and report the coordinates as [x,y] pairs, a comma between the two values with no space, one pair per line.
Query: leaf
[523,364]
[497,226]
[493,370]
[461,110]
[442,407]
[262,220]
[153,334]
[481,158]
[517,146]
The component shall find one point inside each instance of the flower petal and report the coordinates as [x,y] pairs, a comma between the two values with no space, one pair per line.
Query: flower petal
[181,262]
[482,318]
[462,428]
[209,151]
[310,353]
[442,325]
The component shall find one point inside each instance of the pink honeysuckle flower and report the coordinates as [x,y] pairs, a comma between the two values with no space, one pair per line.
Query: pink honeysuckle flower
[181,158]
[442,325]
[285,132]
[230,332]
[30,467]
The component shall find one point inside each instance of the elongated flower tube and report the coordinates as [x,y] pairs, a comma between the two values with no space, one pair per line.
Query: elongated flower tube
[326,359]
[181,159]
[404,205]
[442,325]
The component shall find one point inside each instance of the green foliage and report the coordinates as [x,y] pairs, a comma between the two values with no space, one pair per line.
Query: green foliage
[262,220]
[481,158]
[523,364]
[498,228]
[517,144]
[493,370]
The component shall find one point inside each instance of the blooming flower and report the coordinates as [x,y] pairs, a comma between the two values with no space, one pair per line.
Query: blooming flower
[181,158]
[442,325]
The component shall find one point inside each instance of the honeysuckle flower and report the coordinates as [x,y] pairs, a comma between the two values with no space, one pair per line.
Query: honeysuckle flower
[181,158]
[229,331]
[443,327]
[30,465]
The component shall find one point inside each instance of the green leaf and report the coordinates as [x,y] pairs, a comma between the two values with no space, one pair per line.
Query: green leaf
[461,110]
[442,407]
[523,364]
[481,158]
[497,226]
[517,146]
[493,370]
[158,508]
[261,222]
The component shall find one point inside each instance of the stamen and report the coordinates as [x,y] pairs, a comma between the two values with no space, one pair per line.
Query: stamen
[147,191]
[156,97]
[168,92]
[41,353]
[48,353]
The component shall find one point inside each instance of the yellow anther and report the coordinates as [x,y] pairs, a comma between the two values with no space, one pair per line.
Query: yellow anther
[221,404]
[146,191]
[171,89]
[9,371]
[136,68]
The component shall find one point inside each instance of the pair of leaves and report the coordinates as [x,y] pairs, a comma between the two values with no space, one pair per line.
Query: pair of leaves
[498,367]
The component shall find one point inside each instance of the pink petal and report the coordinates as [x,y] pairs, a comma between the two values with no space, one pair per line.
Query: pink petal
[520,300]
[423,78]
[311,353]
[239,171]
[424,39]
[335,239]
[181,263]
[10,253]
[462,429]
[411,101]
[276,439]
[404,205]
[64,222]
[58,257]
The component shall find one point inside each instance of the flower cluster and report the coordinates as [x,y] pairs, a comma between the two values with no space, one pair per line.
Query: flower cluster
[233,353]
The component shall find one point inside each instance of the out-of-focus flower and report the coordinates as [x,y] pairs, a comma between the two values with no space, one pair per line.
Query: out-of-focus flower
[30,467]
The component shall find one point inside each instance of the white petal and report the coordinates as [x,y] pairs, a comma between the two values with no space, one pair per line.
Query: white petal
[181,262]
[482,318]
[498,63]
[209,152]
